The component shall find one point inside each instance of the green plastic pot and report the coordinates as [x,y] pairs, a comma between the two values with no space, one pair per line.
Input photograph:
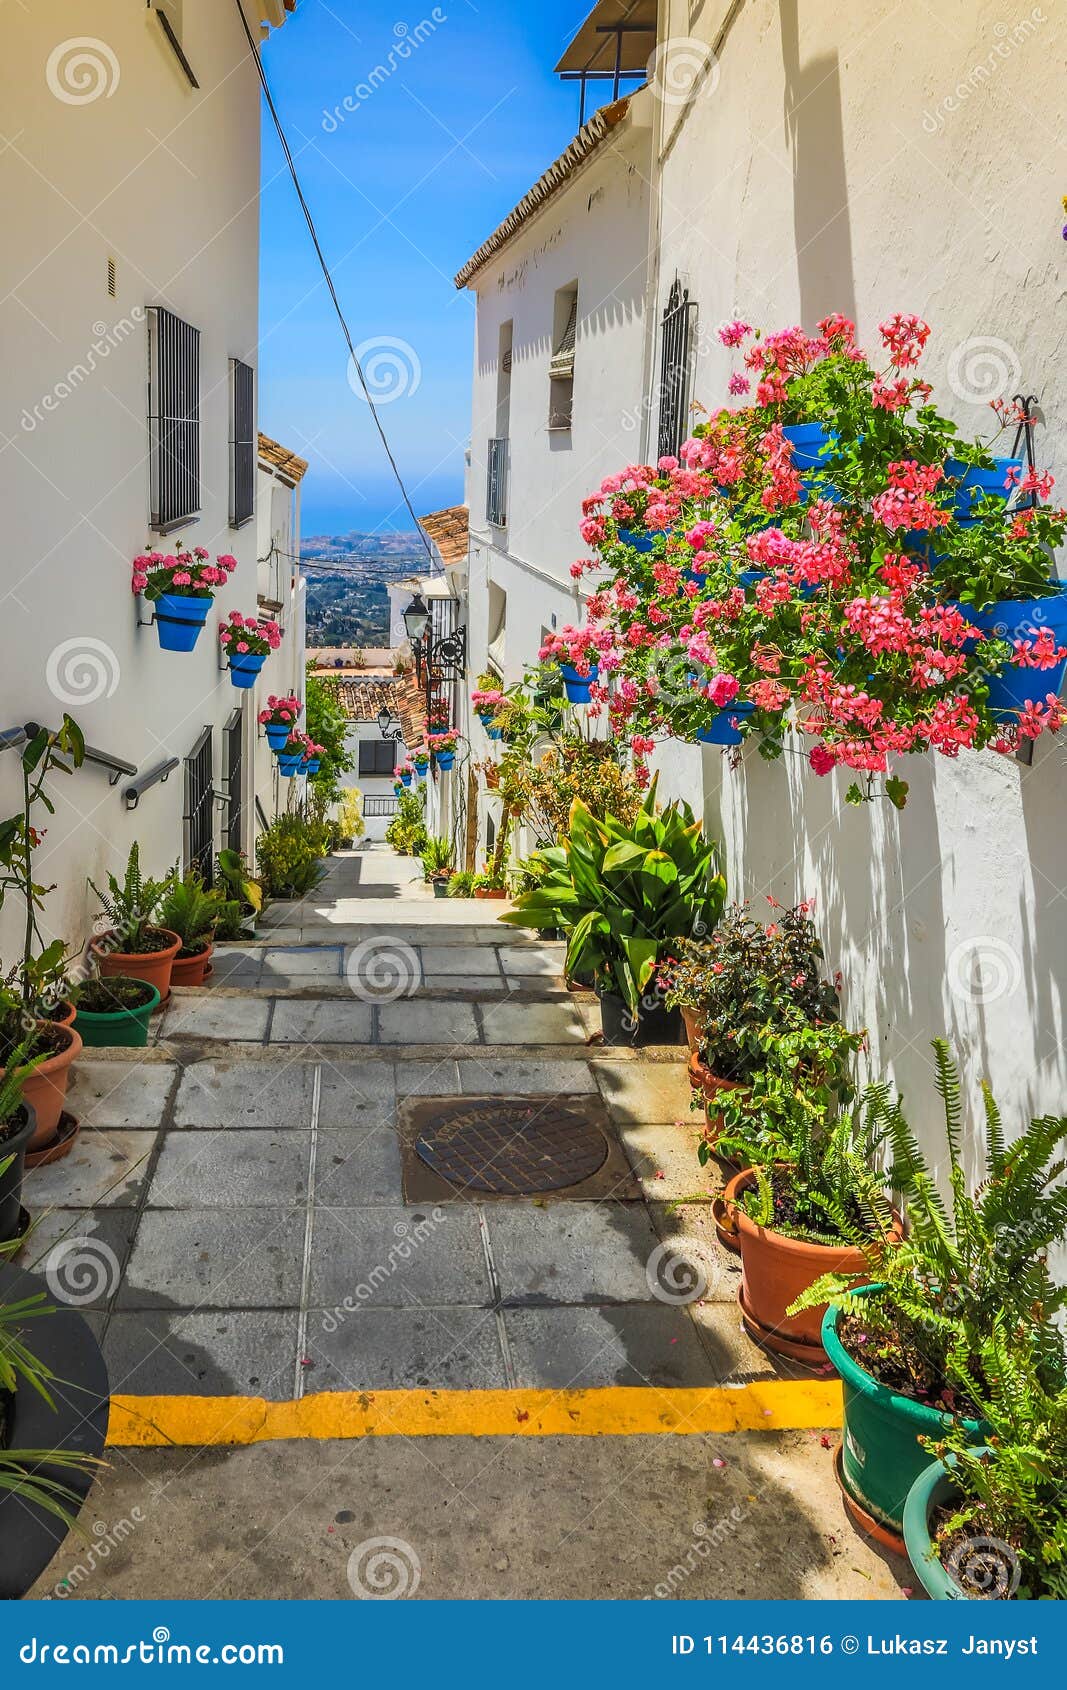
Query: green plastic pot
[881,1456]
[117,1027]
[934,1487]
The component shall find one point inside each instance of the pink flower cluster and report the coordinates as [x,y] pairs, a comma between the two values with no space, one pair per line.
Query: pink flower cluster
[249,635]
[280,712]
[189,574]
[443,741]
[490,699]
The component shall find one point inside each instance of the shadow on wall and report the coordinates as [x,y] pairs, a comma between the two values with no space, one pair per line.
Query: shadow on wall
[948,918]
[822,225]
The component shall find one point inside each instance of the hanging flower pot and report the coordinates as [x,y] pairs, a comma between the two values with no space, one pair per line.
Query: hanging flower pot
[179,621]
[421,761]
[405,776]
[638,541]
[975,483]
[290,765]
[245,668]
[495,733]
[445,760]
[577,685]
[725,729]
[179,586]
[807,440]
[1027,625]
[248,642]
[311,765]
[279,720]
[485,717]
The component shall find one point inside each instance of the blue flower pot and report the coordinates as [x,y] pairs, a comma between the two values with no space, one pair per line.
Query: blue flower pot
[406,778]
[1022,619]
[976,482]
[749,577]
[639,541]
[445,759]
[290,766]
[577,686]
[312,765]
[245,666]
[722,730]
[421,770]
[485,717]
[807,441]
[179,620]
[277,734]
[495,733]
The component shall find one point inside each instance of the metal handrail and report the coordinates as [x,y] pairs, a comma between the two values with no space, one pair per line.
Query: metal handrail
[115,765]
[134,793]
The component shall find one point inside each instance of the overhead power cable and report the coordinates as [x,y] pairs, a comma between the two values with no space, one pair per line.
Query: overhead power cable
[356,365]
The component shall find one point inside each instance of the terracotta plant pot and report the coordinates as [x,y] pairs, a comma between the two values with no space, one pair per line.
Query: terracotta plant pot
[703,1079]
[63,1014]
[45,1089]
[694,1029]
[774,1271]
[189,970]
[490,892]
[153,967]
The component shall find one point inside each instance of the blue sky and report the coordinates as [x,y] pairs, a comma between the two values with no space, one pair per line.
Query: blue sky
[403,189]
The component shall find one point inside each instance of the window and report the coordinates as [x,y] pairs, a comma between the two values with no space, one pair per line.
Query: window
[200,809]
[377,756]
[242,444]
[496,483]
[561,367]
[675,353]
[173,419]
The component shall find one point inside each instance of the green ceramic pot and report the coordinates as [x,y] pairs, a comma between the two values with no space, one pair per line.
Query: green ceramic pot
[117,1027]
[934,1487]
[881,1456]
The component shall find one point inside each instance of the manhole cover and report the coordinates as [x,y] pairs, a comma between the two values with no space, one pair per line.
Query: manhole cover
[511,1148]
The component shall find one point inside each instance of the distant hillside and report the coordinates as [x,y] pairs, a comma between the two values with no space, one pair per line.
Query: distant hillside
[362,545]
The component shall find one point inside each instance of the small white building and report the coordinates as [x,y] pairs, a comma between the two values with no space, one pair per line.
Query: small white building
[129,314]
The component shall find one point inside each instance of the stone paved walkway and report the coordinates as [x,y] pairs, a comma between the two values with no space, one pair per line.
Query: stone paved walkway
[233,1218]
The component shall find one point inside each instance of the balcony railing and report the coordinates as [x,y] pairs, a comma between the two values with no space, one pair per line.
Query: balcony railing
[496,493]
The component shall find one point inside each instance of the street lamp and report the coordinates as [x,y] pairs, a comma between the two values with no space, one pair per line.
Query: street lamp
[416,619]
[388,727]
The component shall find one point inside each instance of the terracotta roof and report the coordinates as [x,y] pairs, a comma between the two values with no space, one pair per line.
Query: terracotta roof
[585,143]
[450,532]
[399,694]
[278,457]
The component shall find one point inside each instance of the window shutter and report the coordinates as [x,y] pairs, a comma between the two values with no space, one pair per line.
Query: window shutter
[242,444]
[562,366]
[173,419]
[674,371]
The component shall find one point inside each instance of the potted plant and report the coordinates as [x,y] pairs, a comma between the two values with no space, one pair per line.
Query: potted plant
[627,895]
[964,1263]
[17,1125]
[987,1521]
[248,641]
[461,885]
[807,1203]
[437,863]
[180,584]
[443,746]
[575,650]
[279,718]
[115,1010]
[311,762]
[134,943]
[41,1053]
[491,883]
[488,701]
[53,1423]
[421,762]
[765,1037]
[405,774]
[293,753]
[191,912]
[242,894]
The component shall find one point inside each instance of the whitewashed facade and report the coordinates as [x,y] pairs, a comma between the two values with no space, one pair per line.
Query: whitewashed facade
[805,160]
[126,190]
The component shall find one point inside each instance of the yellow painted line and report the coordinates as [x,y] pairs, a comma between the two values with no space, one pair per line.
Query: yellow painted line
[619,1411]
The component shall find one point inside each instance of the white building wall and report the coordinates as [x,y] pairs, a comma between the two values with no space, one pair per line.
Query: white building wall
[893,175]
[164,180]
[593,232]
[280,580]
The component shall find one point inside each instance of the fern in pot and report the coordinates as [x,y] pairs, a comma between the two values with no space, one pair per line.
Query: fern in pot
[192,912]
[136,944]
